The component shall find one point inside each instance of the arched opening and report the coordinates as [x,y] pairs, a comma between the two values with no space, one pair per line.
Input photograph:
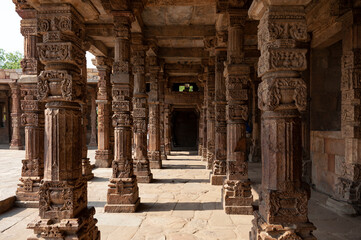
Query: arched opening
[184,129]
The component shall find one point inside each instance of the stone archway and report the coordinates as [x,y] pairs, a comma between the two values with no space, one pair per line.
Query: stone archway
[184,129]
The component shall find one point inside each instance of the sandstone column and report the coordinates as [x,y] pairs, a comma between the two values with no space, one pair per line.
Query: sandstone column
[219,164]
[93,120]
[204,110]
[63,210]
[348,186]
[123,194]
[15,117]
[86,166]
[167,146]
[140,112]
[32,118]
[154,114]
[163,155]
[210,114]
[104,154]
[282,95]
[237,187]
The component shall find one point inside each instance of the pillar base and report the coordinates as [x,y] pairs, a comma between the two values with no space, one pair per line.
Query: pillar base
[103,158]
[122,208]
[155,164]
[144,179]
[163,157]
[142,171]
[261,230]
[217,179]
[82,227]
[123,195]
[27,194]
[87,169]
[15,147]
[238,197]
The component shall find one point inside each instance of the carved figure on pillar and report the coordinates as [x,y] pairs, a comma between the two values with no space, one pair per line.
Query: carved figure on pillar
[104,154]
[140,112]
[283,212]
[154,113]
[237,187]
[123,193]
[63,211]
[219,164]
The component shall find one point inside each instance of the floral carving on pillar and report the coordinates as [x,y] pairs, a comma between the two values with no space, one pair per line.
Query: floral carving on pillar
[282,96]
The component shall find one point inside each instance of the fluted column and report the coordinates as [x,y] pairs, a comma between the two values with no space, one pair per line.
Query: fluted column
[93,120]
[219,164]
[123,193]
[210,114]
[154,114]
[15,143]
[283,211]
[32,118]
[63,210]
[104,154]
[140,112]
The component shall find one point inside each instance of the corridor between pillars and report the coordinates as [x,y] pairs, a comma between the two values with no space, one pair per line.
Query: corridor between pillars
[283,211]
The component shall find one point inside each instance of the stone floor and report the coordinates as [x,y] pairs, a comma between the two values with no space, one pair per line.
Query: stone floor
[179,204]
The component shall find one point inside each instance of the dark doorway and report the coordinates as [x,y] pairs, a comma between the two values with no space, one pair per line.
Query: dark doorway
[184,130]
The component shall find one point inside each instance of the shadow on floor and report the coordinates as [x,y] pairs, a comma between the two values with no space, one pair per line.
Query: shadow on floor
[99,179]
[173,166]
[96,204]
[180,180]
[180,206]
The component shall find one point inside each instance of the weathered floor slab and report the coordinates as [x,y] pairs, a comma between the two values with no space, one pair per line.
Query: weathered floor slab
[179,204]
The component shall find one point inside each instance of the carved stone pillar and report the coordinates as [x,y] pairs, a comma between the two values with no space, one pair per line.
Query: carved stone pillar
[93,120]
[219,168]
[200,132]
[237,187]
[348,186]
[204,110]
[63,210]
[140,112]
[86,166]
[123,193]
[104,154]
[32,118]
[163,155]
[167,145]
[154,115]
[210,114]
[15,117]
[281,96]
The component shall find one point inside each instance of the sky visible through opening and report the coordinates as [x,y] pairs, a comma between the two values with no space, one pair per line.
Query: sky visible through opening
[11,39]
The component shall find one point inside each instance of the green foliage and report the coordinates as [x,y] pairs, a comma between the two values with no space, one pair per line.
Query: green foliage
[10,60]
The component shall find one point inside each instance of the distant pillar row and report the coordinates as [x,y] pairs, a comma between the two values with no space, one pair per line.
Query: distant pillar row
[93,119]
[63,210]
[283,211]
[140,112]
[123,192]
[154,114]
[104,153]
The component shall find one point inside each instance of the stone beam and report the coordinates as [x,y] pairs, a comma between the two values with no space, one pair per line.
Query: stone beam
[182,53]
[193,31]
[183,69]
[156,3]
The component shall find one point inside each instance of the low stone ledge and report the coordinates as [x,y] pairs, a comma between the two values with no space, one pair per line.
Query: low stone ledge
[7,204]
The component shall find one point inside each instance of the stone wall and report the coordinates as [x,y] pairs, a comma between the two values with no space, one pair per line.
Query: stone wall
[328,155]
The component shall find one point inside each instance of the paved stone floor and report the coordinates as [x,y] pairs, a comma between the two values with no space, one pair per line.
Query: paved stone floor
[179,204]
